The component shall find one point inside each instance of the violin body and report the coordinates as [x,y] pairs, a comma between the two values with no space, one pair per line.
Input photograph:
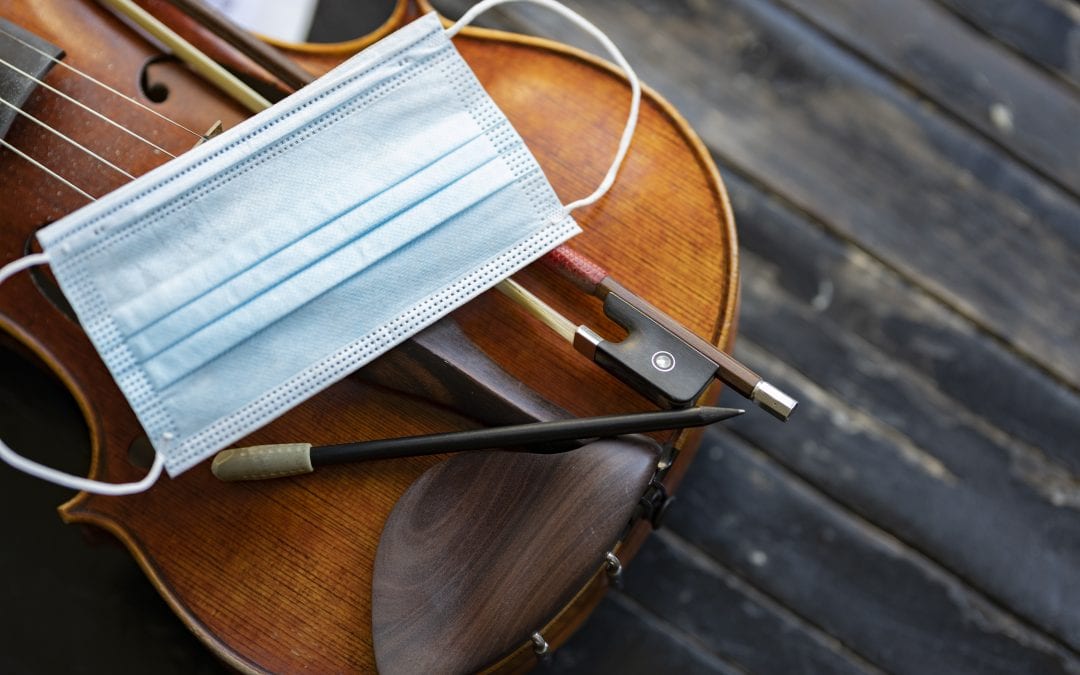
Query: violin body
[277,576]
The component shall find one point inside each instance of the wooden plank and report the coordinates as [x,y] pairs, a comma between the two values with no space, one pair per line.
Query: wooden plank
[942,58]
[925,195]
[879,435]
[622,638]
[1045,31]
[875,595]
[679,584]
[833,282]
[961,500]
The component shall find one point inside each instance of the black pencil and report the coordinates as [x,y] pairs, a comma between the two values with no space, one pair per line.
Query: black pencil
[533,436]
[266,461]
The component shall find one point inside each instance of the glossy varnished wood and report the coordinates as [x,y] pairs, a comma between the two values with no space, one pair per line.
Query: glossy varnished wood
[485,548]
[278,576]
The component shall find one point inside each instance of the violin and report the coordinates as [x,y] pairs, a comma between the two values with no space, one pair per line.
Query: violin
[278,576]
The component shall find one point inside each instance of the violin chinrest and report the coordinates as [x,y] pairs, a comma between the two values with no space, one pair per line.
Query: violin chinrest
[485,548]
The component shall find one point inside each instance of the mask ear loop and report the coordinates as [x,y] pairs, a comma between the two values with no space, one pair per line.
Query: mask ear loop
[49,474]
[635,85]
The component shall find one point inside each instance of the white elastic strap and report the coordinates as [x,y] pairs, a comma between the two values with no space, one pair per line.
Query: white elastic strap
[635,85]
[52,475]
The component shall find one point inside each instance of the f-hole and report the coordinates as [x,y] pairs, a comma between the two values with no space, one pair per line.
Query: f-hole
[157,92]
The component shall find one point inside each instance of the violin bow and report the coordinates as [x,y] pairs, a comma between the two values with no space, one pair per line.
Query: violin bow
[651,333]
[646,359]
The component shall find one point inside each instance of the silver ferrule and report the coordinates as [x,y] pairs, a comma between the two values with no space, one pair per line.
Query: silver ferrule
[775,402]
[586,340]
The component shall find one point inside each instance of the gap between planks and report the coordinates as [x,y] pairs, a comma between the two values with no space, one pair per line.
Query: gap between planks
[1063,488]
[729,165]
[1020,53]
[925,560]
[711,565]
[920,93]
[671,631]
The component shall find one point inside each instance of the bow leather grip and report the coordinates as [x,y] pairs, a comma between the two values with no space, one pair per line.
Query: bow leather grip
[576,267]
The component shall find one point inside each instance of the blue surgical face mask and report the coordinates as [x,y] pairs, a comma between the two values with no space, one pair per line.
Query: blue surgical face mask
[236,281]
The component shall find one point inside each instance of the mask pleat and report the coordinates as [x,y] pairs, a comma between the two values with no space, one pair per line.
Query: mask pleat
[357,240]
[267,236]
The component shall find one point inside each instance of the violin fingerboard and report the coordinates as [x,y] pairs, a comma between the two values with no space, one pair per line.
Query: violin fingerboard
[28,53]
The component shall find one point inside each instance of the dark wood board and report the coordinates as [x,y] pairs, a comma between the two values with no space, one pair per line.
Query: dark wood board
[883,601]
[1043,31]
[926,47]
[797,261]
[726,615]
[911,270]
[623,638]
[877,430]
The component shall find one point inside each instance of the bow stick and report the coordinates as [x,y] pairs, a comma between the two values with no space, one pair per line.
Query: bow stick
[641,318]
[660,358]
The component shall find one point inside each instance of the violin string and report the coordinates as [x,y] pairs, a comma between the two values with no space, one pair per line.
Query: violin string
[67,138]
[87,108]
[47,170]
[99,83]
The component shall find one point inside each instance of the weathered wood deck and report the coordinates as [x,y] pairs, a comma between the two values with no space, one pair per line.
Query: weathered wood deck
[906,181]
